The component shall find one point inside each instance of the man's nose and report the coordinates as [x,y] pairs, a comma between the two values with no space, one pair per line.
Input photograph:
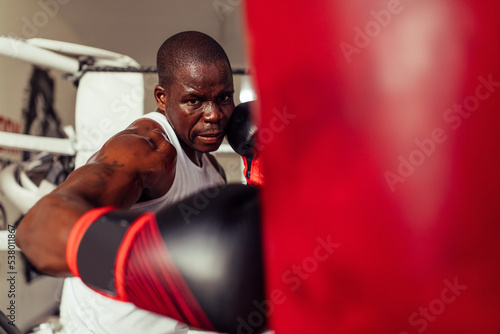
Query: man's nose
[212,112]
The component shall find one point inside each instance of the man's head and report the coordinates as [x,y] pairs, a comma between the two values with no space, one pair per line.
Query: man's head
[195,90]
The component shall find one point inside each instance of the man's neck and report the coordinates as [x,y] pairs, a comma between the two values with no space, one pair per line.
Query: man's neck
[193,155]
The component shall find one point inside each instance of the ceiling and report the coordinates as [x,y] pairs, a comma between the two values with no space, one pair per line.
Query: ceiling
[137,28]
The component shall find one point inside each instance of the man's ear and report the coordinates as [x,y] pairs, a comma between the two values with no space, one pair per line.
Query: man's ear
[160,97]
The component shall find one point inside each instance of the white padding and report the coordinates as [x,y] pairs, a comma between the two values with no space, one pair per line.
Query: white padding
[78,50]
[18,48]
[22,198]
[106,103]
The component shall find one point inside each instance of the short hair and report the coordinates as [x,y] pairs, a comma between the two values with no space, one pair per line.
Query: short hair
[184,48]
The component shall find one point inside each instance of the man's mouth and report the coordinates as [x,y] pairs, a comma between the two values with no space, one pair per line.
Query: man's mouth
[211,137]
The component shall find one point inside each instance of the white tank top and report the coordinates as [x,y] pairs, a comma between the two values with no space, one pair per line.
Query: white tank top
[189,178]
[84,311]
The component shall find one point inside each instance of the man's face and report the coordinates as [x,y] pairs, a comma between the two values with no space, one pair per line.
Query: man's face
[199,103]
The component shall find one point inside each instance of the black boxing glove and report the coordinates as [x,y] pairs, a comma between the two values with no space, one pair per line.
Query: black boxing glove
[199,264]
[241,129]
[241,134]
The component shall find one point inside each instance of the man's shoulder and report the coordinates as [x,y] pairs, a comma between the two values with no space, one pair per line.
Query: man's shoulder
[142,136]
[151,120]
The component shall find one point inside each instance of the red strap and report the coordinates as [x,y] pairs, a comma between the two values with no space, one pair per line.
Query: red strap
[123,253]
[253,170]
[77,233]
[147,276]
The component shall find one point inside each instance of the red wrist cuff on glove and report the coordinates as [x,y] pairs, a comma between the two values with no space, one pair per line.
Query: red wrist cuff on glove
[77,233]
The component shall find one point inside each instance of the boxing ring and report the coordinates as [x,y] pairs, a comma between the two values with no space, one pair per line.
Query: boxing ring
[105,80]
[93,108]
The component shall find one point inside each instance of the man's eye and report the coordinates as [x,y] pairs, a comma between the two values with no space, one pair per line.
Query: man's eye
[193,101]
[225,98]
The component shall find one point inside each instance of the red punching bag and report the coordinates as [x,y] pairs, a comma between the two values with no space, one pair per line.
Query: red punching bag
[380,146]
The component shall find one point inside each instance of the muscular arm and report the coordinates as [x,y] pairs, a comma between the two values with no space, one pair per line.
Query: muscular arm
[136,163]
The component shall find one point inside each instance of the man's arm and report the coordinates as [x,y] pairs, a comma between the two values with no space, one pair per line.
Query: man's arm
[138,162]
[206,271]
